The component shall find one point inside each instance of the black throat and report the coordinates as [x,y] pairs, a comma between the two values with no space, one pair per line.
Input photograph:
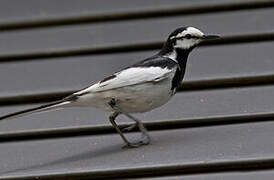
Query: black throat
[181,56]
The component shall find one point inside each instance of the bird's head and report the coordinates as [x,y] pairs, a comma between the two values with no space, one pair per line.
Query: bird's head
[181,41]
[188,38]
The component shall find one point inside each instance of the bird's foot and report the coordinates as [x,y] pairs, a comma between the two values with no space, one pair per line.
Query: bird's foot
[145,140]
[129,128]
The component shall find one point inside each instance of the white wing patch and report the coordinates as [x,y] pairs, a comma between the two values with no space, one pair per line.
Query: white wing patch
[131,76]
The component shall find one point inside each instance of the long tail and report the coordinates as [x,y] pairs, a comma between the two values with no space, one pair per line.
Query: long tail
[51,106]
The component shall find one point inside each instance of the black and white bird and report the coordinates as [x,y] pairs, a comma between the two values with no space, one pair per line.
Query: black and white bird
[139,88]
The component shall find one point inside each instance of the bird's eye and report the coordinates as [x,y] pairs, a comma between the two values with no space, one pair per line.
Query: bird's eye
[187,36]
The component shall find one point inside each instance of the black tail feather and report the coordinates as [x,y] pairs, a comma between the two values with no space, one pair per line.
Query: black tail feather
[36,109]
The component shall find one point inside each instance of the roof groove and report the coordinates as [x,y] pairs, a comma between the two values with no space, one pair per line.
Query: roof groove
[155,171]
[134,47]
[99,18]
[152,126]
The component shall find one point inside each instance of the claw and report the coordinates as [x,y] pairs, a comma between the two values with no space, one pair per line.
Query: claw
[130,145]
[145,140]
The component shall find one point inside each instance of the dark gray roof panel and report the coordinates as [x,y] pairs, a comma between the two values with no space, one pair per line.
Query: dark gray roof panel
[131,32]
[18,10]
[198,145]
[265,175]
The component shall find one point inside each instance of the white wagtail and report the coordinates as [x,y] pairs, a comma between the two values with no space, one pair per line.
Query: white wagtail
[139,88]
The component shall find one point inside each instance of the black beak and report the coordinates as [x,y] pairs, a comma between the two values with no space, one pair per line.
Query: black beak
[210,37]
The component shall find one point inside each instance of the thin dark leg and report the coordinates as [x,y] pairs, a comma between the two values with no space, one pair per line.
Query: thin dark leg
[112,118]
[145,137]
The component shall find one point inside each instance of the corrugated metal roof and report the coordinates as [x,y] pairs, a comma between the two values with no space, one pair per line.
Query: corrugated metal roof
[218,127]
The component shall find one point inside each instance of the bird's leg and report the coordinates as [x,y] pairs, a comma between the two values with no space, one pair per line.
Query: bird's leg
[145,137]
[112,118]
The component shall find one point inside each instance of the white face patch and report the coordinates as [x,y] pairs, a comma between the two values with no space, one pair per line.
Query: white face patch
[190,30]
[185,43]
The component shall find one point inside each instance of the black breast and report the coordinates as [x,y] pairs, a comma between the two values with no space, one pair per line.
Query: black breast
[177,79]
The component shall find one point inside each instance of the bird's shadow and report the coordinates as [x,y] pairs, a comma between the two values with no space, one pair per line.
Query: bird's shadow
[84,155]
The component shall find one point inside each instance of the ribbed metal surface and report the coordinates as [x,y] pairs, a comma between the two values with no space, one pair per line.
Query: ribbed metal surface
[140,14]
[219,126]
[216,167]
[46,54]
[151,126]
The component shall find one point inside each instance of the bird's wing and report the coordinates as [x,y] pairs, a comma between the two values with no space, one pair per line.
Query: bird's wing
[136,74]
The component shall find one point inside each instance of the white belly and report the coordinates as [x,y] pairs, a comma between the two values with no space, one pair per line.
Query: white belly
[132,99]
